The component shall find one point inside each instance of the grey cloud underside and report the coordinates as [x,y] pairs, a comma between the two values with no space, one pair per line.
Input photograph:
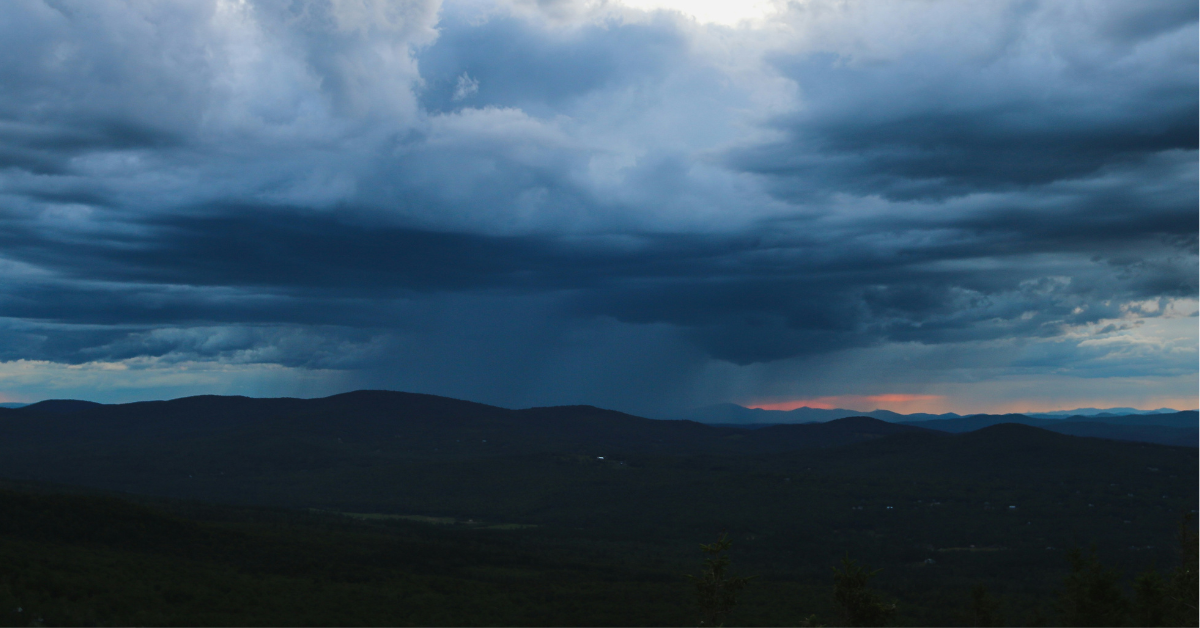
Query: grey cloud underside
[925,198]
[1147,230]
[295,346]
[44,149]
[934,126]
[744,298]
[865,145]
[946,155]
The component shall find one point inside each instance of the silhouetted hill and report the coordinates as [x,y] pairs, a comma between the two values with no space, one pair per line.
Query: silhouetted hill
[394,424]
[1138,428]
[131,444]
[59,406]
[1009,438]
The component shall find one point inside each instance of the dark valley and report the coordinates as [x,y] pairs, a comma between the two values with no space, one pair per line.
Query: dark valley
[391,508]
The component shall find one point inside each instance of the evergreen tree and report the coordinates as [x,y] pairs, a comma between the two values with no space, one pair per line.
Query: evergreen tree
[11,613]
[1183,588]
[1170,601]
[1150,599]
[1090,595]
[716,588]
[859,605]
[985,609]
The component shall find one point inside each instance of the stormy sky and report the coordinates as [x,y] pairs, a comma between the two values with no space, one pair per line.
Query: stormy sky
[945,206]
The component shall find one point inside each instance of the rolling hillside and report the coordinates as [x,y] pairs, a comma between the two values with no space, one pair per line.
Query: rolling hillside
[997,505]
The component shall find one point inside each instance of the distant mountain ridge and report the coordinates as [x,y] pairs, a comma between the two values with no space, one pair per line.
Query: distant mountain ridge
[393,425]
[213,447]
[414,453]
[723,413]
[1097,411]
[1180,429]
[734,414]
[716,429]
[1162,428]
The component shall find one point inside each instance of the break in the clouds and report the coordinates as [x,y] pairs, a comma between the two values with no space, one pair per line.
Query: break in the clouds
[987,204]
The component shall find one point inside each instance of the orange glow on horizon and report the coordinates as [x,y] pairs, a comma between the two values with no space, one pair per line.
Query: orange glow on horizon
[937,404]
[851,402]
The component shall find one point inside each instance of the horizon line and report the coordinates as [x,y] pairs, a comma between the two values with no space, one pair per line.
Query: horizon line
[756,407]
[763,409]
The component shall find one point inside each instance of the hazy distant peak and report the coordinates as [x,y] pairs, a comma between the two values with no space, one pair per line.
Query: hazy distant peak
[1098,412]
[732,413]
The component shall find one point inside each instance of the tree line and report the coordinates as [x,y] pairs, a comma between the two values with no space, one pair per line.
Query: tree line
[1090,595]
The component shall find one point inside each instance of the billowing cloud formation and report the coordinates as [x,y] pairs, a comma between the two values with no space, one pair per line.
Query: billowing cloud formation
[581,203]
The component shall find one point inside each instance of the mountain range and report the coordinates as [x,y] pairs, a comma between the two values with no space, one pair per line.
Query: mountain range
[396,425]
[1097,412]
[416,425]
[216,448]
[598,494]
[734,414]
[316,452]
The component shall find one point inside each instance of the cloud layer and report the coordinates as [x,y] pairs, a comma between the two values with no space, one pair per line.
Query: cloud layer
[582,203]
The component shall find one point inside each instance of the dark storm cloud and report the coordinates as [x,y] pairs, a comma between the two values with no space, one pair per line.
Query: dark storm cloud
[858,146]
[744,297]
[268,247]
[327,185]
[312,253]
